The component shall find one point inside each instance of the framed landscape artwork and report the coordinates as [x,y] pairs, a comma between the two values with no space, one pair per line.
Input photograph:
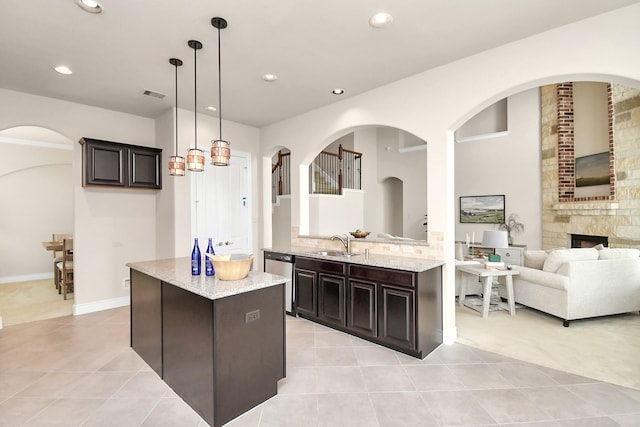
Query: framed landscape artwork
[592,170]
[482,209]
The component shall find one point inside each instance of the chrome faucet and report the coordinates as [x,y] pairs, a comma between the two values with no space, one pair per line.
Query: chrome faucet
[345,240]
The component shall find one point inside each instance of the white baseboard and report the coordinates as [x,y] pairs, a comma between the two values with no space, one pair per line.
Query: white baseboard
[91,307]
[26,277]
[449,336]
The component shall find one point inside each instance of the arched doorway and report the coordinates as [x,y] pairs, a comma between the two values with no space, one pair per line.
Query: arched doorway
[38,186]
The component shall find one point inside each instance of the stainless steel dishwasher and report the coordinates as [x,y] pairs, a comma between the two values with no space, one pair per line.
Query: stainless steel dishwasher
[282,265]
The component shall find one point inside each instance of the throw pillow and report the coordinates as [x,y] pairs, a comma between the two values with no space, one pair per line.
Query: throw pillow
[535,259]
[618,253]
[559,256]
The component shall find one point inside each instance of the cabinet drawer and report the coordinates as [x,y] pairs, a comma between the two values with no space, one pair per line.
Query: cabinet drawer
[323,266]
[382,275]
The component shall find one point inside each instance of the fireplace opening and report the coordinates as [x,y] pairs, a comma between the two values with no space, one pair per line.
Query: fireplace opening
[584,241]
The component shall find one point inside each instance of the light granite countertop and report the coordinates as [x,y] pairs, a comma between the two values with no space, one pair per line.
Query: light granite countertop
[374,260]
[177,271]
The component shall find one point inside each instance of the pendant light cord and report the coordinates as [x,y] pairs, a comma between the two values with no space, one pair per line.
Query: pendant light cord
[219,86]
[176,65]
[195,97]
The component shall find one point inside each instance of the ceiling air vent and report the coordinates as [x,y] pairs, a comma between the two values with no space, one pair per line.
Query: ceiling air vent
[154,94]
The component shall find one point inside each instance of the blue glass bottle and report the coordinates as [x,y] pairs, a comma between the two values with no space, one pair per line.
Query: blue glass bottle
[196,259]
[209,270]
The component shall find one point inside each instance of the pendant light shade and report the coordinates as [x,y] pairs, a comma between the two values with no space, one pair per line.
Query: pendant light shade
[176,163]
[220,151]
[195,157]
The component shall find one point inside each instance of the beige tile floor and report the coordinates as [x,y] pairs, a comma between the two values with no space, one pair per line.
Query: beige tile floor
[80,371]
[22,302]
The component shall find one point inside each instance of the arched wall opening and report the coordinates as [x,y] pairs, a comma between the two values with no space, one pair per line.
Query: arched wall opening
[37,187]
[393,213]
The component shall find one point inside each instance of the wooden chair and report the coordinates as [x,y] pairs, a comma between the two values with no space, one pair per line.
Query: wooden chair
[65,268]
[57,256]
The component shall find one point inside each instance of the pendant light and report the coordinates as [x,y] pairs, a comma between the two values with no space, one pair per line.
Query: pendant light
[220,151]
[176,163]
[195,157]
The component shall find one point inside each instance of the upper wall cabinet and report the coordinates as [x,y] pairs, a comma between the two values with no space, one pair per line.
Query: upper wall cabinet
[120,165]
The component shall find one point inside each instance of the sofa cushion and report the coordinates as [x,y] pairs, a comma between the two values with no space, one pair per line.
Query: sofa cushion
[559,256]
[535,259]
[618,253]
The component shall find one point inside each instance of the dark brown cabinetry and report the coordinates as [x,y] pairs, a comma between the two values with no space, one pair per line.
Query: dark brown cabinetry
[146,319]
[396,308]
[306,292]
[107,163]
[320,289]
[210,352]
[397,315]
[331,299]
[362,312]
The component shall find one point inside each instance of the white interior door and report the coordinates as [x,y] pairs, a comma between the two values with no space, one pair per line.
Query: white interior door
[220,209]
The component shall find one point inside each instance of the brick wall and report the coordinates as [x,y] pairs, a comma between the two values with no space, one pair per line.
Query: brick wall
[617,215]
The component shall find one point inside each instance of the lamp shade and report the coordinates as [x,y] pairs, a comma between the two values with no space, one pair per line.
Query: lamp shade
[495,239]
[176,166]
[195,160]
[220,153]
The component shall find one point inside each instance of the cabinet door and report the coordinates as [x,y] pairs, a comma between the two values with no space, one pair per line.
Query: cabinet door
[397,316]
[146,318]
[331,299]
[105,164]
[144,168]
[306,291]
[362,307]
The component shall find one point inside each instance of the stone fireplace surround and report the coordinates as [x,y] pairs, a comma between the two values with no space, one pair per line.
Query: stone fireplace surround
[616,216]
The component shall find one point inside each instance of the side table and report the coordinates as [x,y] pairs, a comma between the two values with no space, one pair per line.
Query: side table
[487,275]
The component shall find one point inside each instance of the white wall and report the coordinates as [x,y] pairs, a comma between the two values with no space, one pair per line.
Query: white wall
[116,226]
[336,214]
[410,167]
[508,165]
[37,200]
[431,105]
[282,222]
[366,142]
[112,226]
[174,206]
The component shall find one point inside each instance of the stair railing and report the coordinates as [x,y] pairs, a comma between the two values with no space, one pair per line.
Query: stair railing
[329,172]
[281,176]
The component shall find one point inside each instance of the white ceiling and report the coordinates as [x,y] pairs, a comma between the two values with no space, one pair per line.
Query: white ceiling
[312,45]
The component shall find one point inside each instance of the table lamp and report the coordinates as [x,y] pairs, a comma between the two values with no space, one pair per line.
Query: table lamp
[495,239]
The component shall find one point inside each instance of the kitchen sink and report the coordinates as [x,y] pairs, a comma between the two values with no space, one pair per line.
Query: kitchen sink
[333,253]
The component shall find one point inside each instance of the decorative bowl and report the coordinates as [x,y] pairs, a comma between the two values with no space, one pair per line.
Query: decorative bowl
[360,234]
[231,267]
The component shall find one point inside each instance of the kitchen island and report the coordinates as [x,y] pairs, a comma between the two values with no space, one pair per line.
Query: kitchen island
[220,345]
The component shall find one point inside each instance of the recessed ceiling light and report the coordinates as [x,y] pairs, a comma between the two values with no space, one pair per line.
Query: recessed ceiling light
[63,69]
[210,108]
[269,77]
[90,6]
[380,20]
[337,91]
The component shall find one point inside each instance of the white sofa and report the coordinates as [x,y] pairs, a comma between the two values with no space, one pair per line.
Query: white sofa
[579,283]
